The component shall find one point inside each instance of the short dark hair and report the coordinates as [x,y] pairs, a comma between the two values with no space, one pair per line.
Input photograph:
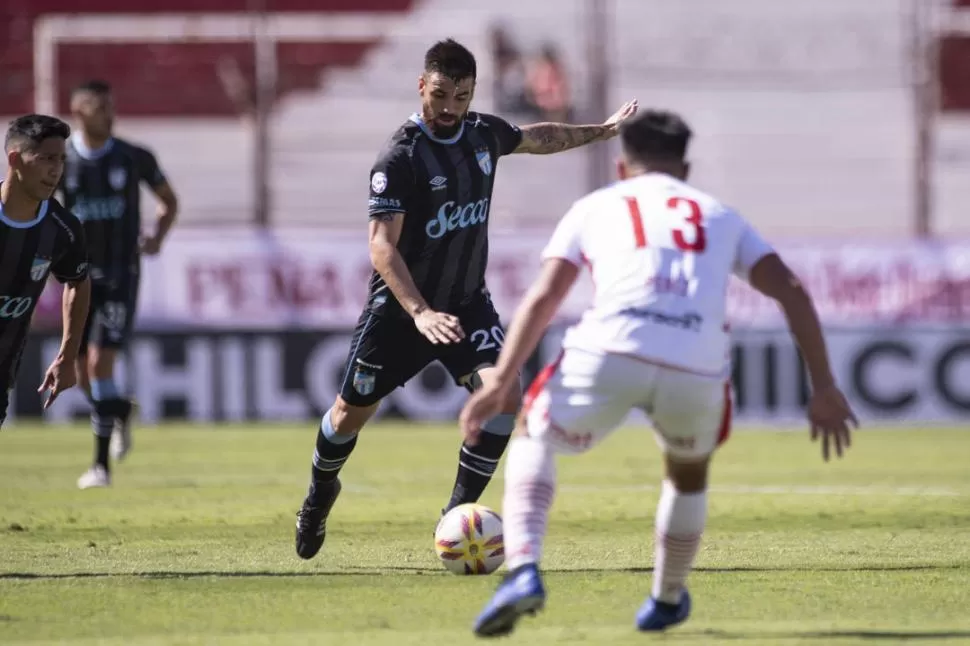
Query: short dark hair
[29,131]
[451,58]
[94,86]
[655,135]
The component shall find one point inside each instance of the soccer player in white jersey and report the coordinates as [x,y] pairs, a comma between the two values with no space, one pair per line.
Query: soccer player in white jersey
[656,339]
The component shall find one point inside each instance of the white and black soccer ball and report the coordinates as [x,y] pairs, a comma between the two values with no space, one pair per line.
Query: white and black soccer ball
[469,540]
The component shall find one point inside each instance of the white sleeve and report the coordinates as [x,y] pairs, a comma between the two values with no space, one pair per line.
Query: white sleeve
[751,248]
[566,241]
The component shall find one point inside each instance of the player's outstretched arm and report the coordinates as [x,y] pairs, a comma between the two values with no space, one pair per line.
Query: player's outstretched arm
[384,233]
[74,305]
[829,411]
[548,138]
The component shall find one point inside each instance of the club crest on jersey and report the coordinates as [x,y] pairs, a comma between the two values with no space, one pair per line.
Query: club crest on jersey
[38,270]
[117,178]
[364,382]
[484,161]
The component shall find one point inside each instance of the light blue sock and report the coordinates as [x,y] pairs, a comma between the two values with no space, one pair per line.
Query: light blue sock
[330,433]
[102,389]
[102,417]
[502,424]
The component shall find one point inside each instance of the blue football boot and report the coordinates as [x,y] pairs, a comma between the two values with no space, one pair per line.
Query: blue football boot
[657,615]
[520,593]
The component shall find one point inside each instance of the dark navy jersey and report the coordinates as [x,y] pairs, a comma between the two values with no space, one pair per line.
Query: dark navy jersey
[50,244]
[444,188]
[102,188]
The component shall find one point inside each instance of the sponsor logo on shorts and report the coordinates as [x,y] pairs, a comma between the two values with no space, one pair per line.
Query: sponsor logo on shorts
[686,443]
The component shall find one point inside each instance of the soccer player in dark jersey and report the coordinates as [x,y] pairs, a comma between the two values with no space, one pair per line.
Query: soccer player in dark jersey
[38,237]
[429,204]
[101,186]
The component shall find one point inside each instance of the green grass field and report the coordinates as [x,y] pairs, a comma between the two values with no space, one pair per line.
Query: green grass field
[194,543]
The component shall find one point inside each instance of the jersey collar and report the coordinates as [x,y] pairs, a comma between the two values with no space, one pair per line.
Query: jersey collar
[86,153]
[416,118]
[16,224]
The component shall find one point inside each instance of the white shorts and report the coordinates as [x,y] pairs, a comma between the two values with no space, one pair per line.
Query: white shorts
[582,397]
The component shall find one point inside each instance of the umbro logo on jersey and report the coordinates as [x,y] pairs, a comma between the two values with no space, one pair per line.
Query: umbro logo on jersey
[438,183]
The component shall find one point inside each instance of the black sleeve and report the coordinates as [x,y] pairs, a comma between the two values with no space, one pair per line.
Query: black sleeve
[71,264]
[391,183]
[507,136]
[148,168]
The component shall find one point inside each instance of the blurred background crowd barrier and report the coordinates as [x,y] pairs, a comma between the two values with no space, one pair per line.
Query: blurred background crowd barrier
[841,128]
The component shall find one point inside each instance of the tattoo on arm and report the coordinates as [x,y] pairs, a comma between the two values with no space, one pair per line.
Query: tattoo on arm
[549,138]
[384,216]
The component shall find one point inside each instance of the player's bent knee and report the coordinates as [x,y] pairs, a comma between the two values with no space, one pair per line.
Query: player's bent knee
[484,375]
[81,373]
[513,401]
[348,419]
[687,476]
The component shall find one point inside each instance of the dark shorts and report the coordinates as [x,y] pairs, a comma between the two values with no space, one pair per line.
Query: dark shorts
[387,351]
[111,316]
[4,402]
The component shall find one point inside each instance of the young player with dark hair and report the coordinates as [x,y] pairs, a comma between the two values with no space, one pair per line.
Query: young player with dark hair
[38,238]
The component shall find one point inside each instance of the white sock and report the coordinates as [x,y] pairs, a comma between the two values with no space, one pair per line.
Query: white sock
[530,485]
[679,524]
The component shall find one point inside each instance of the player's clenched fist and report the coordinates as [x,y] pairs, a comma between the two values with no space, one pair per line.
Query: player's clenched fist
[439,327]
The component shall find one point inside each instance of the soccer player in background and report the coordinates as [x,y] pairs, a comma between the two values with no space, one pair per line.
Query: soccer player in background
[430,193]
[655,338]
[38,237]
[102,187]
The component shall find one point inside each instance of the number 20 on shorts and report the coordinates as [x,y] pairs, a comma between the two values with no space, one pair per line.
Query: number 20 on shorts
[691,213]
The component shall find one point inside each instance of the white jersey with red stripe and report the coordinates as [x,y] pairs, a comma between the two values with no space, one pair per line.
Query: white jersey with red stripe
[661,253]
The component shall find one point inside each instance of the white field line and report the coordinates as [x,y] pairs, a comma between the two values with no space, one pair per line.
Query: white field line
[201,482]
[760,490]
[785,490]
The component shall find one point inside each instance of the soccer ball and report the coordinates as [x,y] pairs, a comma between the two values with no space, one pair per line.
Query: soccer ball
[469,540]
